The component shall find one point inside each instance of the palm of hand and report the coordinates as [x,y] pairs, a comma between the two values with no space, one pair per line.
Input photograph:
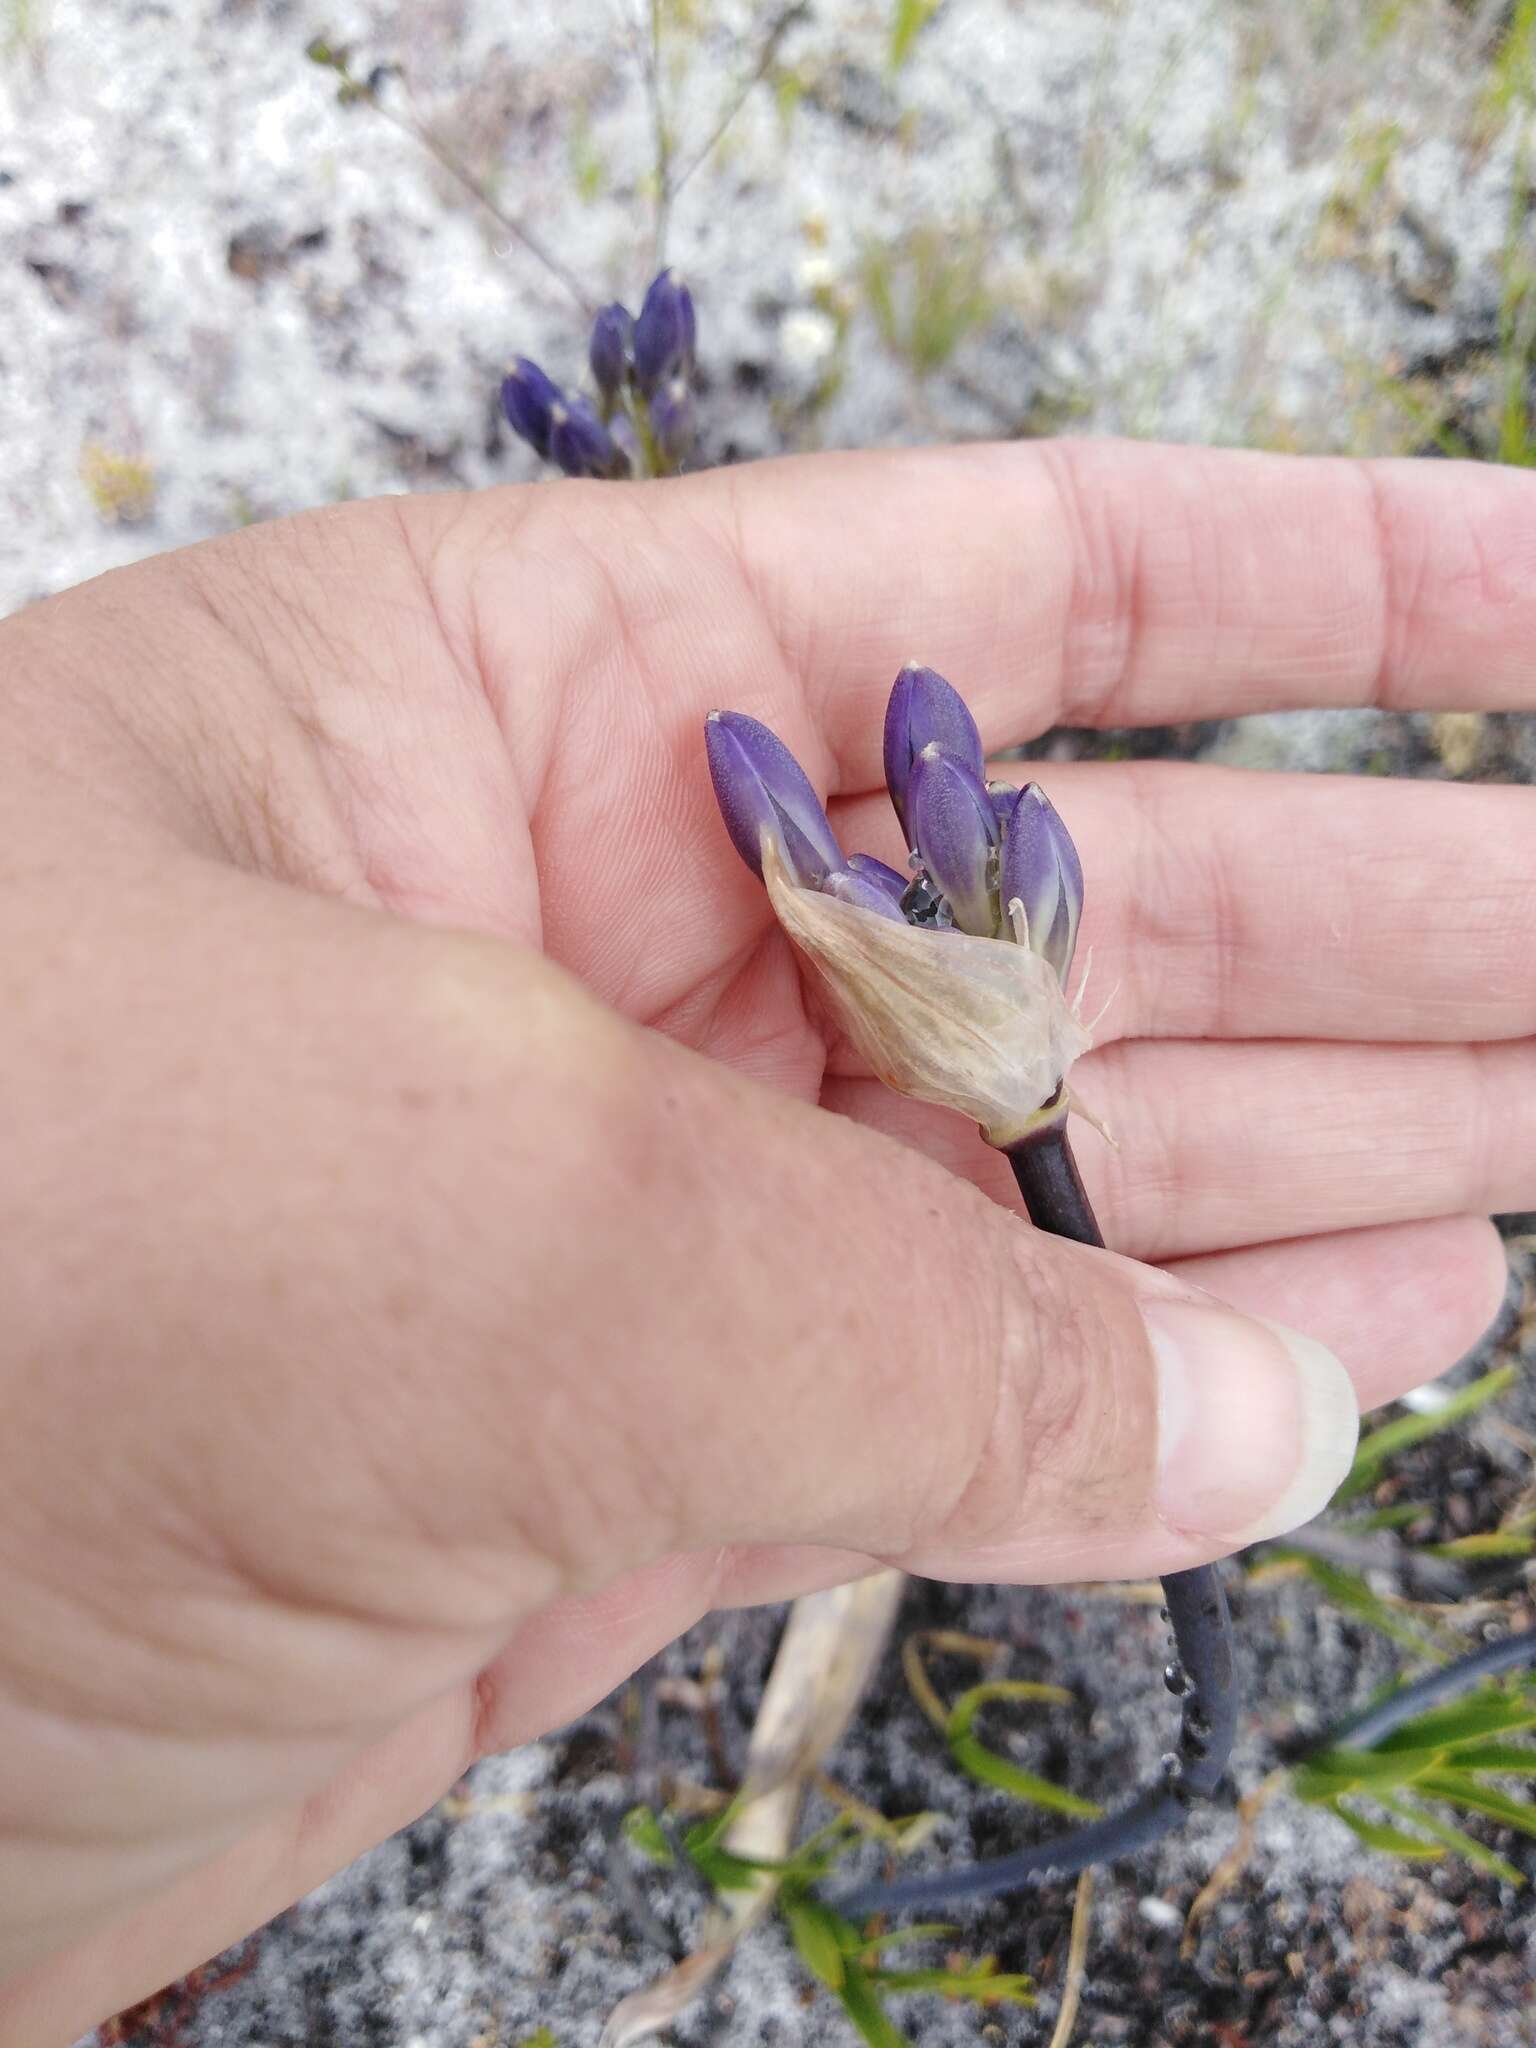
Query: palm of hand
[488,714]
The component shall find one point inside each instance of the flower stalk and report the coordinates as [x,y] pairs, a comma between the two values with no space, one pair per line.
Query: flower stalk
[953,989]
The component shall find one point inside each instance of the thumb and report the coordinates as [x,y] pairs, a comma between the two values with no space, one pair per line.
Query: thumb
[826,1338]
[448,1292]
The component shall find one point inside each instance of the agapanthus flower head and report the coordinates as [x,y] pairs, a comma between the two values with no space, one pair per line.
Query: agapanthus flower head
[665,332]
[954,834]
[580,444]
[1040,873]
[610,352]
[673,420]
[924,710]
[766,796]
[926,974]
[528,398]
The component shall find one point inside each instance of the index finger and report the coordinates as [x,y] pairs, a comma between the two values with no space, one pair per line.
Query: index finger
[1119,583]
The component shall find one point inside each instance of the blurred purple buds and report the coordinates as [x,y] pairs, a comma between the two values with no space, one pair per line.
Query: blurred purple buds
[1039,868]
[954,831]
[609,352]
[673,422]
[762,789]
[581,444]
[664,332]
[869,892]
[925,710]
[528,398]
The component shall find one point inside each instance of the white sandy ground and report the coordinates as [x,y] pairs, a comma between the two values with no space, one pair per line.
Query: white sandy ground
[1155,193]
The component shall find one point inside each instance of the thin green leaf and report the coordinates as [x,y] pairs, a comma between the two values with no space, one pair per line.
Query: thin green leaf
[1495,1543]
[1328,1776]
[1396,1517]
[1463,1790]
[1508,1758]
[818,1936]
[1453,1838]
[1467,1721]
[861,2001]
[981,1986]
[1350,1593]
[1388,1841]
[962,1715]
[643,1831]
[932,1930]
[908,19]
[1393,1437]
[988,1768]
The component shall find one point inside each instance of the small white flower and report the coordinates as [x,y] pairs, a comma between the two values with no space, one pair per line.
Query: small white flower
[815,272]
[807,338]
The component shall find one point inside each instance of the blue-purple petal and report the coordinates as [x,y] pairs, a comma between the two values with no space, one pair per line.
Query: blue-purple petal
[954,830]
[850,885]
[528,399]
[665,330]
[925,710]
[761,788]
[1039,867]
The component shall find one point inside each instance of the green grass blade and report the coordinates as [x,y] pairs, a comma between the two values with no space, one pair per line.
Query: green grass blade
[819,1939]
[1453,1838]
[930,1930]
[1350,1593]
[1508,1758]
[1393,1437]
[1467,1721]
[861,2001]
[1461,1790]
[983,1986]
[1322,1779]
[1388,1841]
[988,1768]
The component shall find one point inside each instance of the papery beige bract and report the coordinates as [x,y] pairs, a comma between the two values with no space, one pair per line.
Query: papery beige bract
[977,1025]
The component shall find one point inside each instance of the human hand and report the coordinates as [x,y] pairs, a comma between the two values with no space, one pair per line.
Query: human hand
[400,1343]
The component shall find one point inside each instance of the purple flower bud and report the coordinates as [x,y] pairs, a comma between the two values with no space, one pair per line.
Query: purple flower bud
[1004,796]
[850,885]
[581,444]
[527,398]
[761,788]
[664,332]
[608,352]
[672,419]
[954,829]
[924,709]
[888,878]
[1039,868]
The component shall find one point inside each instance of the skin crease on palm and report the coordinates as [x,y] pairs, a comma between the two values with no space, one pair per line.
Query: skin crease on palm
[401,1342]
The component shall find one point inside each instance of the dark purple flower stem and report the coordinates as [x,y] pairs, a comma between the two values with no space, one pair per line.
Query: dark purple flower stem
[1436,1689]
[1201,1672]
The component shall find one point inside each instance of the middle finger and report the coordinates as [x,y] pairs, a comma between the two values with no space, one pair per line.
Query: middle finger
[1224,903]
[1223,1145]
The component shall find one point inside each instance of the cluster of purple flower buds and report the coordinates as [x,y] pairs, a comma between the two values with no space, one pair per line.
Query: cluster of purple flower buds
[642,366]
[987,858]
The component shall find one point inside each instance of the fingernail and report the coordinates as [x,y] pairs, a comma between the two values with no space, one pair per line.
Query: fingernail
[1257,1425]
